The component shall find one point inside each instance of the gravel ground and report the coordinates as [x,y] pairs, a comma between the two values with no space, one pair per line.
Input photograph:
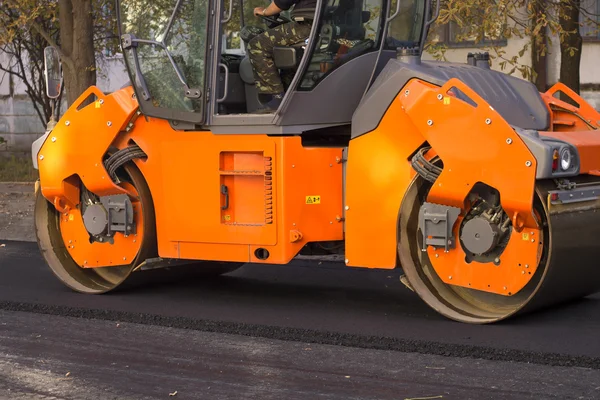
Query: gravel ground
[16,211]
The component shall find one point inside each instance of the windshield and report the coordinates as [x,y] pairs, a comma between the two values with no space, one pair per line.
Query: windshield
[168,61]
[351,28]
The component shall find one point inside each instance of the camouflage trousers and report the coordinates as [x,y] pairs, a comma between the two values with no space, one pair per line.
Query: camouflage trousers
[260,51]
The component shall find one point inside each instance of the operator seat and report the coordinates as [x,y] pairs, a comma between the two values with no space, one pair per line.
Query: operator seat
[342,19]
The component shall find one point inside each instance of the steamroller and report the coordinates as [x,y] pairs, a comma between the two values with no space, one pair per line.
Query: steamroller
[481,190]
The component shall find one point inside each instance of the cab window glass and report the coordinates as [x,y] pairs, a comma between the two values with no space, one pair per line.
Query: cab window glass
[185,39]
[348,29]
[242,15]
[406,28]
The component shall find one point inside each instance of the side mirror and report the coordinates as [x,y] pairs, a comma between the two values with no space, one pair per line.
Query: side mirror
[52,72]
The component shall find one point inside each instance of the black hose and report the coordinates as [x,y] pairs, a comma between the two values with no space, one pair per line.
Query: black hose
[424,168]
[119,158]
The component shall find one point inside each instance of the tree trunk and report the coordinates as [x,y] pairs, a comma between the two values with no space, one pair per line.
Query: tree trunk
[77,43]
[570,48]
[539,45]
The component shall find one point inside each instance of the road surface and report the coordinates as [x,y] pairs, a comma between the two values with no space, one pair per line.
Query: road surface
[294,332]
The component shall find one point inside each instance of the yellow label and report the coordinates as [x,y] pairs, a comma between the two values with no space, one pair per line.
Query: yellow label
[71,217]
[525,236]
[227,217]
[446,100]
[313,199]
[98,104]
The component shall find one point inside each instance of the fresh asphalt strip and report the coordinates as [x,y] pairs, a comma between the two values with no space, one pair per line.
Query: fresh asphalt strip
[324,304]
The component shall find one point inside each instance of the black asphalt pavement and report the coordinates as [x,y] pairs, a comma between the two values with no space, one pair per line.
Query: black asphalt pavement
[52,357]
[255,324]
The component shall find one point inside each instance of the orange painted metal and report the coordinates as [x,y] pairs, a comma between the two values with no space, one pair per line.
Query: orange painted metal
[77,144]
[89,255]
[577,125]
[566,117]
[476,145]
[378,175]
[484,149]
[231,197]
[587,144]
[267,180]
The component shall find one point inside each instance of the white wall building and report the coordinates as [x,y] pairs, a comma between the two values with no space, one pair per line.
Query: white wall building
[20,125]
[19,122]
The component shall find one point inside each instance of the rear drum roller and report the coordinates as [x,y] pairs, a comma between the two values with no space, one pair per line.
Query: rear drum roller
[51,235]
[566,270]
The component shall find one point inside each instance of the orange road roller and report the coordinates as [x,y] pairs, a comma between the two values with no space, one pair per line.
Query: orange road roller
[482,190]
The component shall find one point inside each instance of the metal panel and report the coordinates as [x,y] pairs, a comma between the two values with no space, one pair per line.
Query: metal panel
[335,98]
[265,129]
[517,100]
[130,44]
[241,120]
[36,146]
[332,102]
[542,148]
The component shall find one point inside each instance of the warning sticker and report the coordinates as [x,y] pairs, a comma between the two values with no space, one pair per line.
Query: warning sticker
[525,236]
[446,100]
[313,199]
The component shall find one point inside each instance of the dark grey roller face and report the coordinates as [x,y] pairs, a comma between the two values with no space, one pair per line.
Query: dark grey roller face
[95,219]
[480,236]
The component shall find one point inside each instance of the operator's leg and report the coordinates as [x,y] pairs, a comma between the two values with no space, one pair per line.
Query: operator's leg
[260,52]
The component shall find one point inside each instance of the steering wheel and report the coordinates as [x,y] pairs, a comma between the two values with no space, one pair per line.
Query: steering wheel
[275,19]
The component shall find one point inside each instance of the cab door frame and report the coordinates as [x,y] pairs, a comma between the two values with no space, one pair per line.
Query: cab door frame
[129,45]
[249,123]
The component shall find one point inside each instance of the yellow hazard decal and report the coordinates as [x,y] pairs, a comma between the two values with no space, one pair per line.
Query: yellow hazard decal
[98,104]
[227,217]
[446,100]
[313,199]
[525,236]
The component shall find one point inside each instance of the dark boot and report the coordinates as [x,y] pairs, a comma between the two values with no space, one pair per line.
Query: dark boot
[271,105]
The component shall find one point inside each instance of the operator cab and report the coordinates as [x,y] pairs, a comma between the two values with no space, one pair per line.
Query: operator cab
[188,60]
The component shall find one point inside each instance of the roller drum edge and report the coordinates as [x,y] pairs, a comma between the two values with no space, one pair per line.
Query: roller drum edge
[573,269]
[567,270]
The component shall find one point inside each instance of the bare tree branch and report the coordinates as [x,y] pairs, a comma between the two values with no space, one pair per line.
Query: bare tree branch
[66,58]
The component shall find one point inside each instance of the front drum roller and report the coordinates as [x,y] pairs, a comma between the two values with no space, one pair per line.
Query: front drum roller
[567,269]
[51,235]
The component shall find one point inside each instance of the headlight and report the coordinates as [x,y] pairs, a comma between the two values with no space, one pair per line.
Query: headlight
[565,159]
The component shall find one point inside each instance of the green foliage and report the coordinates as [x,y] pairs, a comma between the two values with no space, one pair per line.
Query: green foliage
[487,24]
[17,169]
[17,15]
